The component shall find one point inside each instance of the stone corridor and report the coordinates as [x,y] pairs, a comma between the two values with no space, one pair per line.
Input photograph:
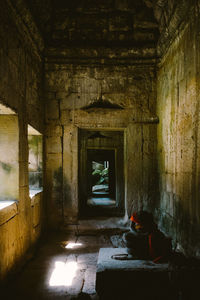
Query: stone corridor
[91,93]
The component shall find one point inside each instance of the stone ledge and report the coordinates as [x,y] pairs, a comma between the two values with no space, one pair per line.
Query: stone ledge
[35,196]
[36,208]
[121,279]
[8,212]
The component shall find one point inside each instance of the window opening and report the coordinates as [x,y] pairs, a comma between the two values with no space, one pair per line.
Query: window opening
[35,161]
[9,157]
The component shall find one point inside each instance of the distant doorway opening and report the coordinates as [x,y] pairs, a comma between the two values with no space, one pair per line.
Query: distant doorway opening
[101,173]
[101,188]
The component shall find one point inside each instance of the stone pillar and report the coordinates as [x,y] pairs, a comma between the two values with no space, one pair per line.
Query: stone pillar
[70,173]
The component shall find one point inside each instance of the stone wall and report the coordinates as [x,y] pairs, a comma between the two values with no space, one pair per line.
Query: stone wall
[179,139]
[21,74]
[99,97]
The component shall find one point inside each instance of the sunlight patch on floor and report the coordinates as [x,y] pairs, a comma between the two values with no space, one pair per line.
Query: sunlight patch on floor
[72,245]
[63,274]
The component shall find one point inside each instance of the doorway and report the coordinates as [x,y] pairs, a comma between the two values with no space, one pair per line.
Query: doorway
[101,173]
[101,177]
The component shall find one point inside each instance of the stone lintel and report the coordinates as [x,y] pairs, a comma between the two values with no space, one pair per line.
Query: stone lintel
[108,118]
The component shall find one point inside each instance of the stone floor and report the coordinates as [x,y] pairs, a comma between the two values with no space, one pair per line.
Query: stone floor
[64,264]
[101,201]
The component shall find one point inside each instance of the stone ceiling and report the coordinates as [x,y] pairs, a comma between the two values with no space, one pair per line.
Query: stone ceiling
[132,24]
[95,22]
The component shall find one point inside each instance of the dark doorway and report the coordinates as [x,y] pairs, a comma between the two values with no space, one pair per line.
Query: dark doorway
[101,173]
[101,177]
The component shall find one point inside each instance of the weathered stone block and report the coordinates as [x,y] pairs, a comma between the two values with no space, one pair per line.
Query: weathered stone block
[53,144]
[67,116]
[52,110]
[53,130]
[122,278]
